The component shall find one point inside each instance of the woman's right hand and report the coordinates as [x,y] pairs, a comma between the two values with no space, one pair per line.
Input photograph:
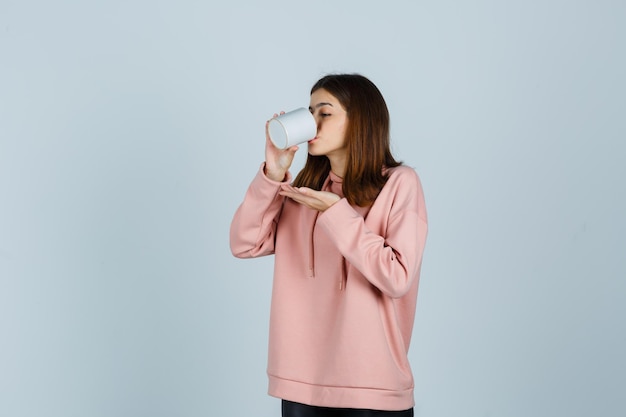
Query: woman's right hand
[277,161]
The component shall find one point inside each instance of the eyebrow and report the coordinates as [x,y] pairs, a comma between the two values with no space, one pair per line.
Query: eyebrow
[318,105]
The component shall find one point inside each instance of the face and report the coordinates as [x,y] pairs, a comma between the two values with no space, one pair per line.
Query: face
[332,121]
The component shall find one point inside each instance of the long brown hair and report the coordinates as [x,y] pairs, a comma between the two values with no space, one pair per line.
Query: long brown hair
[367,140]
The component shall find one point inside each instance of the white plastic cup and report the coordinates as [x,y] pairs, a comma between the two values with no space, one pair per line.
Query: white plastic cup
[292,128]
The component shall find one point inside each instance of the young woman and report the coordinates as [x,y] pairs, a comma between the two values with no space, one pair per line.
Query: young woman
[348,237]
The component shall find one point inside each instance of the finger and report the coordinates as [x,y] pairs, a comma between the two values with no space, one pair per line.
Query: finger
[290,187]
[287,193]
[293,191]
[268,140]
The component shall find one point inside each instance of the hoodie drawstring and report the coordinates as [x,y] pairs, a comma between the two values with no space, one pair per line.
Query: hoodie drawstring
[312,248]
[343,280]
[311,270]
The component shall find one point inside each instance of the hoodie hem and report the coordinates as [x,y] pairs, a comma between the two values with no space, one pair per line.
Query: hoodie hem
[341,397]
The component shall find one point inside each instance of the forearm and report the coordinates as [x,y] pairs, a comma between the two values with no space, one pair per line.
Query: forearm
[253,227]
[390,263]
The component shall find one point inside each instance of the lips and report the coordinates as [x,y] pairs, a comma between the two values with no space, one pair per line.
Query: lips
[313,140]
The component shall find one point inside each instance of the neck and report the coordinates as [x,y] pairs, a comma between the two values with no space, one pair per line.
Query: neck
[338,165]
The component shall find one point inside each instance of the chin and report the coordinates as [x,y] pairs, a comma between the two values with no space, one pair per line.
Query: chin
[313,153]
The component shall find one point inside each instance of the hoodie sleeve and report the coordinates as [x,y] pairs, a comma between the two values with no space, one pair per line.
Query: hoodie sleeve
[253,228]
[392,261]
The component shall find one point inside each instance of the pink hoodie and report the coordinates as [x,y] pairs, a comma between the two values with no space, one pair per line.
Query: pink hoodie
[344,293]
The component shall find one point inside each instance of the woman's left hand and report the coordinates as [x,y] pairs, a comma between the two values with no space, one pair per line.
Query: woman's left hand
[317,200]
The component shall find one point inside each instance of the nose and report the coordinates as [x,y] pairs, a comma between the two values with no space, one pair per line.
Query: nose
[318,121]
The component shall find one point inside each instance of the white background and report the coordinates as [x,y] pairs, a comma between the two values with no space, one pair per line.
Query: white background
[129,131]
